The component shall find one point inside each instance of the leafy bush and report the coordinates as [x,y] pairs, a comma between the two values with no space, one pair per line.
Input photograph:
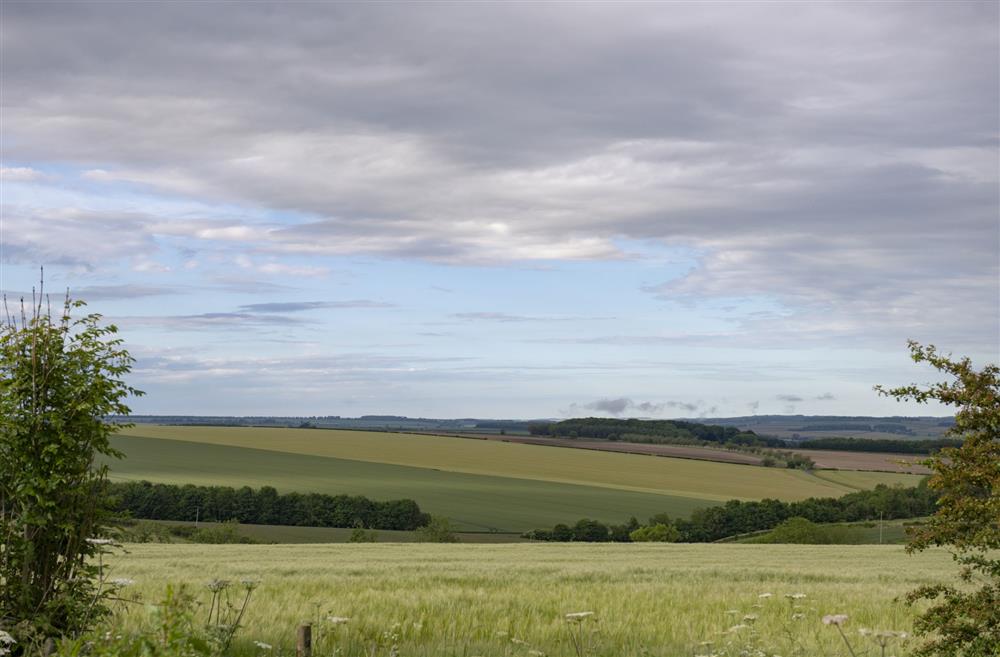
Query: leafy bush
[963,621]
[658,533]
[438,530]
[362,535]
[59,378]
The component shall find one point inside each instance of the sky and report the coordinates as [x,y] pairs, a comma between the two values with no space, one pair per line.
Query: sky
[511,210]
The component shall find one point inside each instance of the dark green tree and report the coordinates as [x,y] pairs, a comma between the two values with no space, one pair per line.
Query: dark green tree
[962,622]
[60,377]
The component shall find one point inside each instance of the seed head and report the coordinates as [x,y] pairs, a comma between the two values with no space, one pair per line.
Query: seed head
[579,616]
[835,619]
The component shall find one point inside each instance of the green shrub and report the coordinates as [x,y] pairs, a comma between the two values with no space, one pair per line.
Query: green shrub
[59,378]
[658,533]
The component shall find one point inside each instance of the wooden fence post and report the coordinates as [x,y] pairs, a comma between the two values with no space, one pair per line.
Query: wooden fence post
[303,644]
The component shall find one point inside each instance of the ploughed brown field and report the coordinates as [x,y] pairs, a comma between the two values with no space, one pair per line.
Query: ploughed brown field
[872,461]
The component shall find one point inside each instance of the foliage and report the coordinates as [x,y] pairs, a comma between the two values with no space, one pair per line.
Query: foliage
[653,431]
[60,377]
[362,535]
[804,532]
[964,621]
[658,533]
[881,445]
[437,530]
[142,499]
[147,531]
[175,633]
[737,517]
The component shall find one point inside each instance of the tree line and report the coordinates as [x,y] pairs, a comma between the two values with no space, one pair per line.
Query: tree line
[737,517]
[881,445]
[652,431]
[264,506]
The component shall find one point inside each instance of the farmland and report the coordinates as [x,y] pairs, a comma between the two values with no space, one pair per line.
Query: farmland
[480,485]
[660,600]
[473,502]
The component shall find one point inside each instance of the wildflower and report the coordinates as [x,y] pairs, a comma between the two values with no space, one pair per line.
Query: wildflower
[736,628]
[732,612]
[579,616]
[798,616]
[795,596]
[121,582]
[536,653]
[749,618]
[250,584]
[262,645]
[337,620]
[502,633]
[764,596]
[864,631]
[835,619]
[217,585]
[100,541]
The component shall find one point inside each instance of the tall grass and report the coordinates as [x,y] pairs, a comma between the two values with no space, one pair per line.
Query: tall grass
[492,600]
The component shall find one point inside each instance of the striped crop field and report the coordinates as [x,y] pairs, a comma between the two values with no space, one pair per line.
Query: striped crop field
[479,484]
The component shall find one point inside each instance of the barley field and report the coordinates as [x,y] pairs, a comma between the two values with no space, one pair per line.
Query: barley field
[426,600]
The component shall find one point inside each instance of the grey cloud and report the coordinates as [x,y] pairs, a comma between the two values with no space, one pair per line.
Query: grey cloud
[840,157]
[789,398]
[506,317]
[210,321]
[610,406]
[690,408]
[127,291]
[620,405]
[298,306]
[249,286]
[826,396]
[639,340]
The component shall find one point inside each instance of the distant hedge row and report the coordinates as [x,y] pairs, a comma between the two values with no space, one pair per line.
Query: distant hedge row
[737,517]
[651,431]
[880,445]
[142,499]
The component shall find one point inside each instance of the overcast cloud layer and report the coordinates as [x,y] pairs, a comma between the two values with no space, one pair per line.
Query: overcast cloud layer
[456,209]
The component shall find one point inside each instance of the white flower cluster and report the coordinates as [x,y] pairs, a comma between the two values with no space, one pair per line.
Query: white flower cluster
[6,641]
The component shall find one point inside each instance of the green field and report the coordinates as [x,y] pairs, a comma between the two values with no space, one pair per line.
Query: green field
[480,485]
[647,474]
[447,600]
[473,502]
